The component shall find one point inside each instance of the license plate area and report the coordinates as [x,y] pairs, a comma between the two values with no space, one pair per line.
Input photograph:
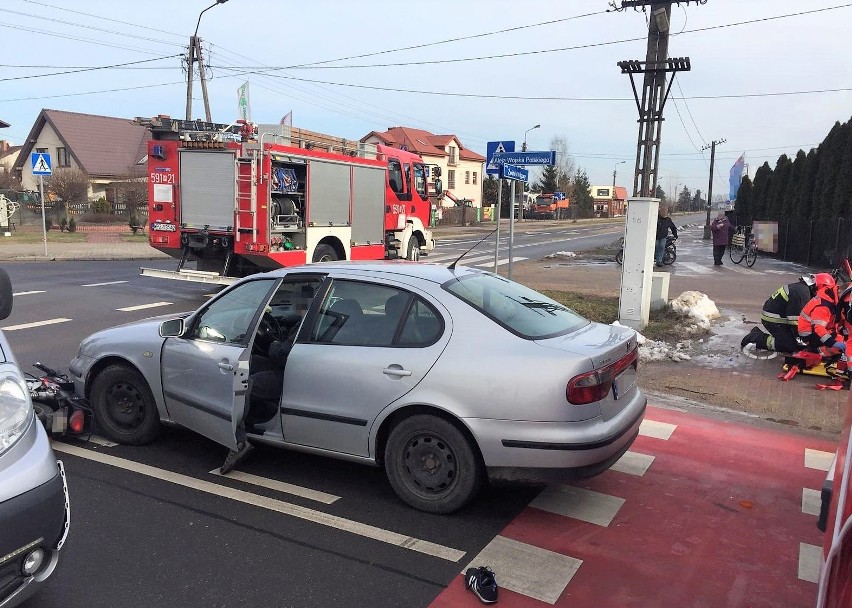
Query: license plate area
[624,382]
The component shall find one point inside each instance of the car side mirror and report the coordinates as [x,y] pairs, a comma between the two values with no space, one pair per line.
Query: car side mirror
[5,294]
[171,328]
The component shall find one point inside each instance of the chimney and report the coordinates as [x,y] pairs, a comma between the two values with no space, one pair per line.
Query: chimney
[4,147]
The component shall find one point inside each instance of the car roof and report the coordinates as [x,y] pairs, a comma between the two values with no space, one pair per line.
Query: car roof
[436,273]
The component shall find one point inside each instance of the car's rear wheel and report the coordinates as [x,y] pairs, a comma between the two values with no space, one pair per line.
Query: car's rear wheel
[431,464]
[124,406]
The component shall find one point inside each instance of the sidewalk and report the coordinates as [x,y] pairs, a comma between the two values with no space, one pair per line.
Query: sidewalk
[718,374]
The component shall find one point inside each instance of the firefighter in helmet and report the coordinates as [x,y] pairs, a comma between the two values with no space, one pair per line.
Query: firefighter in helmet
[818,323]
[780,317]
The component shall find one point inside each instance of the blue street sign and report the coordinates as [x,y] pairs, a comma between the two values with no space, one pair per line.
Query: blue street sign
[512,172]
[545,157]
[41,163]
[496,147]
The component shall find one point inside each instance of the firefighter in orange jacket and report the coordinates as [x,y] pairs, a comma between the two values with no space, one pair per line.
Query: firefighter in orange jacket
[818,321]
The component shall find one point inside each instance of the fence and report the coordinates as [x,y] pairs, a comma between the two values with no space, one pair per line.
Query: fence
[30,213]
[821,243]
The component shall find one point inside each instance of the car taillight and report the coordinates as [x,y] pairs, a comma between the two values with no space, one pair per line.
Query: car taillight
[594,386]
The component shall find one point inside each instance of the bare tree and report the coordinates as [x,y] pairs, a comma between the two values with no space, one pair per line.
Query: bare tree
[8,181]
[133,192]
[70,185]
[565,164]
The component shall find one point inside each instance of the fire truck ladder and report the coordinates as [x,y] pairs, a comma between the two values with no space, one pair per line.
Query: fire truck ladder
[246,187]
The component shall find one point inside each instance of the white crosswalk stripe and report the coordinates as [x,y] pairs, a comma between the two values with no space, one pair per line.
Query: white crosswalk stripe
[741,270]
[696,268]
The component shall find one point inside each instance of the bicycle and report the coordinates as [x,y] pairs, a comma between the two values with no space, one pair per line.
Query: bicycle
[742,246]
[669,255]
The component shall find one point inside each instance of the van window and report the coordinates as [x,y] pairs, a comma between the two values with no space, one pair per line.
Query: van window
[420,180]
[395,176]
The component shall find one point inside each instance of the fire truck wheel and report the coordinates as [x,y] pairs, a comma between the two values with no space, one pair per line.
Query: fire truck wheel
[124,406]
[413,249]
[324,253]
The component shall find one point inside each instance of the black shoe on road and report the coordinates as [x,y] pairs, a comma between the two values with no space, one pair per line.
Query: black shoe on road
[482,582]
[235,457]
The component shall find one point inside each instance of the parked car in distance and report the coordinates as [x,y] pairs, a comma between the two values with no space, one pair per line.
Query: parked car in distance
[34,507]
[448,377]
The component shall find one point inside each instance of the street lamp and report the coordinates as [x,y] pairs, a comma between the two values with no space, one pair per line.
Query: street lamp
[524,148]
[193,57]
[612,194]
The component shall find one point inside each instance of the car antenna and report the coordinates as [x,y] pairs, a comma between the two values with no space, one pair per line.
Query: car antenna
[453,265]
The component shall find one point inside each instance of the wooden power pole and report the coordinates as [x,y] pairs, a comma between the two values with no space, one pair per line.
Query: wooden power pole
[655,88]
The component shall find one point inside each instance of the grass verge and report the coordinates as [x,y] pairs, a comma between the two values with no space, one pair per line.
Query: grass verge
[21,237]
[664,325]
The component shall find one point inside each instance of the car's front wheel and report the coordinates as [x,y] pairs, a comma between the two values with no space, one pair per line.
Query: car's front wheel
[124,406]
[431,464]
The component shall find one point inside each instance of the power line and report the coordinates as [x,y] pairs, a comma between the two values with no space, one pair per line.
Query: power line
[144,86]
[68,10]
[90,69]
[697,130]
[75,38]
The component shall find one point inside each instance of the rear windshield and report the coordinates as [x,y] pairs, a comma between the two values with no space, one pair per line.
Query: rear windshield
[519,309]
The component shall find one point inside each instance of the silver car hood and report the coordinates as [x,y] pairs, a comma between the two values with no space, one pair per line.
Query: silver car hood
[144,330]
[603,344]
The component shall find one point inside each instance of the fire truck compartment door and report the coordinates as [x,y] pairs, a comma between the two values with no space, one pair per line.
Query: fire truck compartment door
[207,183]
[330,188]
[368,204]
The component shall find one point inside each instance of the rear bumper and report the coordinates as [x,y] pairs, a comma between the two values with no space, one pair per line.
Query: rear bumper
[536,453]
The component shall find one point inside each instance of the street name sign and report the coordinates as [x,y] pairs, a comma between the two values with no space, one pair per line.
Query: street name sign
[41,163]
[496,147]
[543,157]
[512,172]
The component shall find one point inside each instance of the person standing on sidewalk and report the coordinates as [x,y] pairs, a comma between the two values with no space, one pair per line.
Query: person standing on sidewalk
[664,224]
[720,227]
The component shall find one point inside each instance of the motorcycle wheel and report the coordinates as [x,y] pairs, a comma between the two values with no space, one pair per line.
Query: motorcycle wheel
[619,257]
[669,256]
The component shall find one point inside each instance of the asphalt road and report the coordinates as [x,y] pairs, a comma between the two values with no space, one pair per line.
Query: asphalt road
[154,526]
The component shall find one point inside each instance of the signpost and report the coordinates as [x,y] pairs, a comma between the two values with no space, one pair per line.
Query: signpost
[514,174]
[41,167]
[492,148]
[544,157]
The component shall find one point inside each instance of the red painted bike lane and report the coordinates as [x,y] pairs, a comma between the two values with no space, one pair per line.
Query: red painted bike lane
[723,516]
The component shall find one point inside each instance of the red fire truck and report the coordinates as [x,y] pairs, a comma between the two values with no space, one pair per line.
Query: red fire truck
[236,202]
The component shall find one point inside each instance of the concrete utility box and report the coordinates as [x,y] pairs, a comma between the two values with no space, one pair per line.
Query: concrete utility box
[659,290]
[640,231]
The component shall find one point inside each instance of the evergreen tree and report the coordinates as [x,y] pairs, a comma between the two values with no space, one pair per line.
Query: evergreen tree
[830,153]
[582,199]
[842,202]
[684,199]
[489,190]
[660,194]
[549,181]
[760,192]
[777,187]
[743,203]
[791,191]
[697,201]
[805,193]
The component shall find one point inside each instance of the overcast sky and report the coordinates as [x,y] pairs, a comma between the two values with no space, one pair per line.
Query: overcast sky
[799,53]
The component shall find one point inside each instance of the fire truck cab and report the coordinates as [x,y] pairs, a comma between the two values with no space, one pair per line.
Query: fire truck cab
[236,203]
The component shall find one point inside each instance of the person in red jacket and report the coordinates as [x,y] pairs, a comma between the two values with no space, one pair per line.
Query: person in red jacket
[818,321]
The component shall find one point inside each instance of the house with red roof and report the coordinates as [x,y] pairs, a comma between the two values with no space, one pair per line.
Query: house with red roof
[107,149]
[461,168]
[609,201]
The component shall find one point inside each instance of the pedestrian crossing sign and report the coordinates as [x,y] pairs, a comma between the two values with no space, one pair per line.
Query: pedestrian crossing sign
[41,163]
[497,147]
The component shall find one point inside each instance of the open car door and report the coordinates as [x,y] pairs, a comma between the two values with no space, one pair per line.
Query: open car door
[205,371]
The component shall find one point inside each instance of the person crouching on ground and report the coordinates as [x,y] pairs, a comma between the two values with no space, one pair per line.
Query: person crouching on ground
[780,316]
[664,224]
[818,323]
[720,227]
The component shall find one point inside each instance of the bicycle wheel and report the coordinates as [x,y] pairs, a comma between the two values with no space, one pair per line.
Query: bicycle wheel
[737,253]
[751,255]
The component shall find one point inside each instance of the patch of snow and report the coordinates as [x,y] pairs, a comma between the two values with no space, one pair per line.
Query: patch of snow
[561,254]
[640,339]
[698,307]
[653,350]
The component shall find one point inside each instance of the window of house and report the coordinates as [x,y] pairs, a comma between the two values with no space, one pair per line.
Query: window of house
[451,178]
[452,155]
[467,177]
[41,150]
[62,157]
[474,178]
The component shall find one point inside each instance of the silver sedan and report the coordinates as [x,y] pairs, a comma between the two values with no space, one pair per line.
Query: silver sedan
[447,377]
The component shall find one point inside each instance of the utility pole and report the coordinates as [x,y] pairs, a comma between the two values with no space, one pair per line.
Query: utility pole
[712,145]
[655,89]
[195,56]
